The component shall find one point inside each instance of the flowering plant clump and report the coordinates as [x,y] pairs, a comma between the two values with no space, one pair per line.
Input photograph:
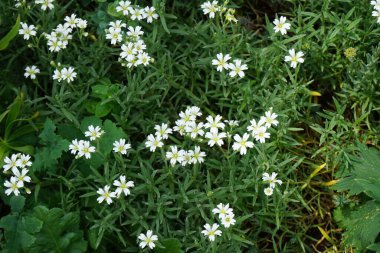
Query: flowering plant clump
[189,126]
[18,165]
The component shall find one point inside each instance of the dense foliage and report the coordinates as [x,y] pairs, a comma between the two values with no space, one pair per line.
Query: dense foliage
[303,93]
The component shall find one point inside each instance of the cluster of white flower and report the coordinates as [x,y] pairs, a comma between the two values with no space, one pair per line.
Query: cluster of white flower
[211,131]
[31,71]
[64,74]
[19,178]
[45,4]
[210,8]
[27,30]
[271,179]
[280,25]
[226,216]
[122,186]
[376,10]
[59,38]
[136,12]
[236,68]
[84,148]
[185,157]
[133,53]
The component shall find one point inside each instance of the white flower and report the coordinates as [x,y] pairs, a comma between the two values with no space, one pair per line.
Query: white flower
[143,58]
[294,58]
[237,68]
[21,176]
[187,116]
[68,74]
[14,185]
[222,210]
[71,20]
[105,194]
[81,23]
[124,7]
[134,32]
[281,25]
[121,147]
[228,220]
[27,31]
[174,155]
[254,127]
[74,146]
[123,186]
[148,239]
[128,51]
[187,158]
[211,231]
[268,191]
[150,14]
[57,75]
[197,156]
[242,143]
[221,62]
[45,4]
[193,111]
[118,24]
[164,130]
[93,132]
[376,4]
[114,34]
[210,8]
[376,14]
[153,142]
[139,46]
[232,122]
[24,161]
[180,126]
[85,149]
[271,179]
[215,138]
[194,129]
[11,163]
[136,13]
[269,119]
[214,123]
[261,134]
[31,71]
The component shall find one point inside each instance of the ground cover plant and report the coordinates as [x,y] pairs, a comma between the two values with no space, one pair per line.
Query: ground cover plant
[189,126]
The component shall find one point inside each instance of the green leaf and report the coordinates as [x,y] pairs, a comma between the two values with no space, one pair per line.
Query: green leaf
[4,42]
[170,245]
[14,111]
[19,231]
[102,110]
[17,203]
[60,232]
[112,133]
[46,158]
[362,225]
[365,175]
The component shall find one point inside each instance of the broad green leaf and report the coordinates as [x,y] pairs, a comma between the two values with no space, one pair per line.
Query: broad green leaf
[17,203]
[112,133]
[4,42]
[60,232]
[46,158]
